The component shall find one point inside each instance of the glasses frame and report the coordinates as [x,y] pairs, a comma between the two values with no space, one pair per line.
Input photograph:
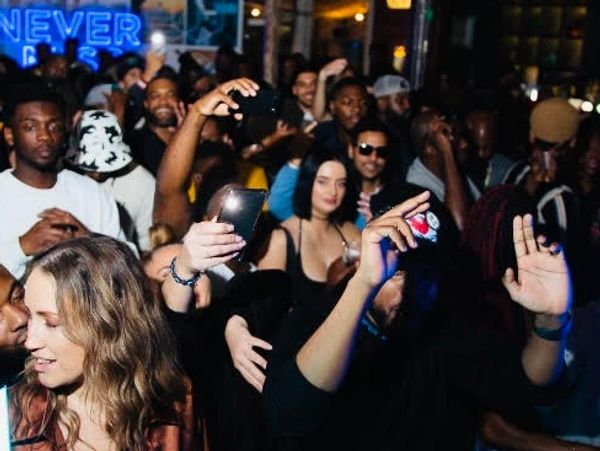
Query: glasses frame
[367,149]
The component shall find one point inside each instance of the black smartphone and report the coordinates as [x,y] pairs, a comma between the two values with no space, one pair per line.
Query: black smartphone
[241,207]
[266,102]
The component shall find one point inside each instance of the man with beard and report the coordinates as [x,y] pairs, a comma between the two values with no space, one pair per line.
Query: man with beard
[164,113]
[41,204]
[297,110]
[305,89]
[370,152]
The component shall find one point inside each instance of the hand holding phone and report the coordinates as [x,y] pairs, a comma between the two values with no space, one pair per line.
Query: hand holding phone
[266,102]
[158,42]
[241,208]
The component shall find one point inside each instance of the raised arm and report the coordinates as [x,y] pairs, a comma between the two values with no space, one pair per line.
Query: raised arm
[333,68]
[171,205]
[323,359]
[543,286]
[455,195]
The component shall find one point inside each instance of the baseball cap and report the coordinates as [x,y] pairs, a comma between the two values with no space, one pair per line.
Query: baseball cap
[434,230]
[97,144]
[554,121]
[387,85]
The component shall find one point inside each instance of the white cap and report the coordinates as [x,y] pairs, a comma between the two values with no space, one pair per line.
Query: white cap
[388,85]
[98,143]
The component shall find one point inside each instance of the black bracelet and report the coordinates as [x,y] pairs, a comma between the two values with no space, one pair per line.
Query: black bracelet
[554,334]
[187,282]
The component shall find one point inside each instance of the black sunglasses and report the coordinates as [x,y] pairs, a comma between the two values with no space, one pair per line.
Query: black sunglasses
[367,149]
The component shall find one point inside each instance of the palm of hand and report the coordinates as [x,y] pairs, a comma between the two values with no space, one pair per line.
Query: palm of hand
[543,283]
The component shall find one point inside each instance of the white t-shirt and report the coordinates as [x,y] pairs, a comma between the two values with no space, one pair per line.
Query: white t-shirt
[20,205]
[135,192]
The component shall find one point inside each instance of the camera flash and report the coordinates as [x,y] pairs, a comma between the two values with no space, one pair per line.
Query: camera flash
[232,203]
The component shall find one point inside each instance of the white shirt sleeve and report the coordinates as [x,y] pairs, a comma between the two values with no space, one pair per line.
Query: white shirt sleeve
[12,256]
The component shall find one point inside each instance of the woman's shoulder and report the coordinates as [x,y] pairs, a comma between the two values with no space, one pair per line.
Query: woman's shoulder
[290,225]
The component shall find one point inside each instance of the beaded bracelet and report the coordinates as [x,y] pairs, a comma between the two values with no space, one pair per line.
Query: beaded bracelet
[554,334]
[187,282]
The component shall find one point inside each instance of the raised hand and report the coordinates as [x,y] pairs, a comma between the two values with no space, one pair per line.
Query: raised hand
[246,360]
[180,112]
[385,237]
[154,61]
[333,68]
[217,102]
[543,284]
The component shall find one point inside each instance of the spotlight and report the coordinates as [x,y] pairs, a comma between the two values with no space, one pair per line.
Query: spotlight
[587,106]
[359,17]
[255,12]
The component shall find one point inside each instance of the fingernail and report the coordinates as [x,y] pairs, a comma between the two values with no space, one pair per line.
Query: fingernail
[238,238]
[229,228]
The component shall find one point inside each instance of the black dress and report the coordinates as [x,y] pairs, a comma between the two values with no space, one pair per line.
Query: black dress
[304,288]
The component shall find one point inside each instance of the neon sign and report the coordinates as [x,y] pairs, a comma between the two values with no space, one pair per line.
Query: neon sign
[22,28]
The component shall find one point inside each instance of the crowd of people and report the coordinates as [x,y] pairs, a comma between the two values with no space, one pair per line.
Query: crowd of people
[421,276]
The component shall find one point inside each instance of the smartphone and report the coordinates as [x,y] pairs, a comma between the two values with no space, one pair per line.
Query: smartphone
[241,208]
[267,102]
[158,42]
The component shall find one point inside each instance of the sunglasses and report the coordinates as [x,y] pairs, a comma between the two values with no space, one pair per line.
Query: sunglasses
[367,149]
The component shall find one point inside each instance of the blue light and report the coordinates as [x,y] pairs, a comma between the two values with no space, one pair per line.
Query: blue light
[67,30]
[12,28]
[127,27]
[114,30]
[96,27]
[38,29]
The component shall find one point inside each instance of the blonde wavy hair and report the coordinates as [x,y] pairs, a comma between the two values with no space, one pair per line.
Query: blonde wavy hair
[107,307]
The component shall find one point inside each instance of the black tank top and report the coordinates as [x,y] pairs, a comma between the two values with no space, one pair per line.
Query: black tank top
[304,288]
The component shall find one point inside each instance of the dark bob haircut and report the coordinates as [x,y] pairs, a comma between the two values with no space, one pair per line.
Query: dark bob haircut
[303,193]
